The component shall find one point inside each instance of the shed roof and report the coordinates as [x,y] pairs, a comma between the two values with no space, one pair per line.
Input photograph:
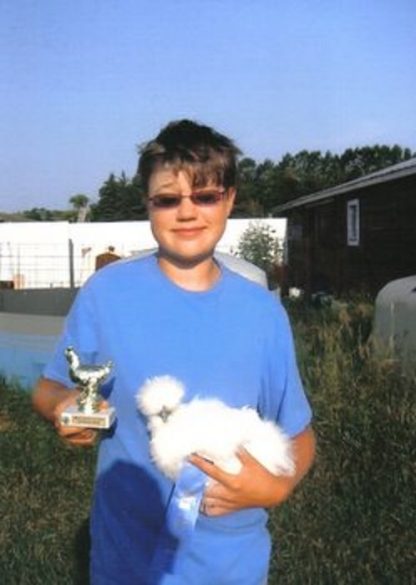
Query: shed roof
[391,173]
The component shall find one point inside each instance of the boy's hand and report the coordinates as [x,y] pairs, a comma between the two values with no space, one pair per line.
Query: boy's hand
[76,436]
[254,486]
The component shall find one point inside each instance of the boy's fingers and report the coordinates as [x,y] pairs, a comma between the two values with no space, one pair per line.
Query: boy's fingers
[81,437]
[209,468]
[245,457]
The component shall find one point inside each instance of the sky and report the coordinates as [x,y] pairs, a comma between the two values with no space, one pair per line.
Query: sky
[84,82]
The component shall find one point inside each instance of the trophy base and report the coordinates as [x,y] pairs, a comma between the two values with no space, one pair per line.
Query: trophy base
[73,417]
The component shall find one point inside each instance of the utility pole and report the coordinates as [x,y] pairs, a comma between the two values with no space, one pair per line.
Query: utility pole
[71,263]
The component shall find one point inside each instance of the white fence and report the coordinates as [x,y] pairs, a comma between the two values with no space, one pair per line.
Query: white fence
[61,254]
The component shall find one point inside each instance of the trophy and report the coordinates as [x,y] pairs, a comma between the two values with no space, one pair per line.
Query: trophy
[87,411]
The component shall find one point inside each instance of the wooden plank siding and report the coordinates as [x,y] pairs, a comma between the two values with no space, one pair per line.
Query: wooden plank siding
[320,258]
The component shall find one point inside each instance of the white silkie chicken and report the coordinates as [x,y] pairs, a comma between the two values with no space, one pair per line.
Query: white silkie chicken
[210,428]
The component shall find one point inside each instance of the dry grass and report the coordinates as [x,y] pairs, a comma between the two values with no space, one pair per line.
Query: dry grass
[352,521]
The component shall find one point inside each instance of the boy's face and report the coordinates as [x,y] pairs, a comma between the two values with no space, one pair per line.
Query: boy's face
[187,233]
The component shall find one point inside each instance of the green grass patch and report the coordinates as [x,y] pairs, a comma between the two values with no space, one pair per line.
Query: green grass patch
[45,492]
[350,522]
[353,519]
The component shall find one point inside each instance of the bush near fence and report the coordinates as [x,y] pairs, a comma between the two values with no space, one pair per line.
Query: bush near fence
[350,522]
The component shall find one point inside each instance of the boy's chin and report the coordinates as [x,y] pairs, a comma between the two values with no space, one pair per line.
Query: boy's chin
[185,260]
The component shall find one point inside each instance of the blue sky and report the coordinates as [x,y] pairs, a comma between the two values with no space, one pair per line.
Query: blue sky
[83,82]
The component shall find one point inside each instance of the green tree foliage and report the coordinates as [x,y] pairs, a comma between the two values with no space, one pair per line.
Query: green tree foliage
[42,214]
[267,184]
[79,201]
[257,188]
[246,204]
[120,199]
[368,159]
[307,172]
[38,214]
[80,204]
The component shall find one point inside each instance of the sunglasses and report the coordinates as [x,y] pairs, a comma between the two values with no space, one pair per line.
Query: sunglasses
[199,198]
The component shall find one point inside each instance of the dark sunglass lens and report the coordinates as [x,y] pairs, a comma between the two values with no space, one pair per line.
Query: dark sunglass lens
[209,198]
[165,201]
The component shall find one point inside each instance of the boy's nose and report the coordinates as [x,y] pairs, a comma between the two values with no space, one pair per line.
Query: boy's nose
[186,208]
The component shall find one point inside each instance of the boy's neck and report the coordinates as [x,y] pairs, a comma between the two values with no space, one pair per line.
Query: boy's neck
[198,276]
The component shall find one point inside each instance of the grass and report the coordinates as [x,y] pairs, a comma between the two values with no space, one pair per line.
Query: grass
[45,491]
[353,519]
[350,522]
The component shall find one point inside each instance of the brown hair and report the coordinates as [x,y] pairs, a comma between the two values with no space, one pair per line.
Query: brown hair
[186,145]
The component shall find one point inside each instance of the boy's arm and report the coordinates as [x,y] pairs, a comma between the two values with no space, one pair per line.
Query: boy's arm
[49,399]
[254,486]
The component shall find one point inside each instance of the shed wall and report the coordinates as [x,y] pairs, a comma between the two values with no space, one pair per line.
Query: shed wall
[320,257]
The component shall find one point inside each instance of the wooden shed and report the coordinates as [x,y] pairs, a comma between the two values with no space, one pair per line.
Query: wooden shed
[354,237]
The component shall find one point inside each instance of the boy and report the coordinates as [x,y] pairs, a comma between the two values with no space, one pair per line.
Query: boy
[180,312]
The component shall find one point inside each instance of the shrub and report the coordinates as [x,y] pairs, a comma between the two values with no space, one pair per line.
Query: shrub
[259,245]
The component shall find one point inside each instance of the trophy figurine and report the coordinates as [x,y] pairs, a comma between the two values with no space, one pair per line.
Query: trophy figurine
[87,411]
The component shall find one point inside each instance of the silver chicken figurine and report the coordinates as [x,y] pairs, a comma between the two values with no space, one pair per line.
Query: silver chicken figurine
[88,378]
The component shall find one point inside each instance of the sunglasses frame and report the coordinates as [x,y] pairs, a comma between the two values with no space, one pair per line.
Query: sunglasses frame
[173,201]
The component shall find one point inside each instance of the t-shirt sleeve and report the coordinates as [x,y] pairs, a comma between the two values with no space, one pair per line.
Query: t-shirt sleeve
[283,396]
[80,332]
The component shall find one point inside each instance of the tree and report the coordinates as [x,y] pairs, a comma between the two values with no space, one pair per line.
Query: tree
[80,204]
[256,188]
[356,162]
[306,172]
[266,181]
[79,201]
[310,171]
[39,214]
[247,204]
[120,199]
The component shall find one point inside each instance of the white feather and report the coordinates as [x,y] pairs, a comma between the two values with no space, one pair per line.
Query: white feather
[158,393]
[210,428]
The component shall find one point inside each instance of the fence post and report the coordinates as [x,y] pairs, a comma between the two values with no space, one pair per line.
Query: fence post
[71,263]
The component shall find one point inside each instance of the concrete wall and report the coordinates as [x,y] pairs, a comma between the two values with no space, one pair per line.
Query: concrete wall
[26,344]
[30,324]
[51,301]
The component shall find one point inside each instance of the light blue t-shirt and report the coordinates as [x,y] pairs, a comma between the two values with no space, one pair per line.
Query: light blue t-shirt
[233,342]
